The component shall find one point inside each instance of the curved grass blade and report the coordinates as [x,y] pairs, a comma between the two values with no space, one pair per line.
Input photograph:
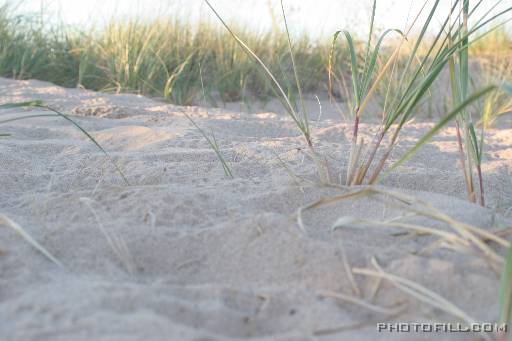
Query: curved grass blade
[373,60]
[213,144]
[276,85]
[353,65]
[212,141]
[369,43]
[93,140]
[39,104]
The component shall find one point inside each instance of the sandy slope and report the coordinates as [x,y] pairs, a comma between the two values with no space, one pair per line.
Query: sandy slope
[211,258]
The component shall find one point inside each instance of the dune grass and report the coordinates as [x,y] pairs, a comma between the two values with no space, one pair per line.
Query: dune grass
[448,49]
[415,80]
[160,57]
[167,57]
[296,112]
[415,77]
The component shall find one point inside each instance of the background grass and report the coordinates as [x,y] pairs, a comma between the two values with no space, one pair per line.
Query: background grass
[158,58]
[162,58]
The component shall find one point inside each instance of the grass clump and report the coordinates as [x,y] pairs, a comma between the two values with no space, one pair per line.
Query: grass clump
[418,71]
[164,57]
[413,83]
[29,49]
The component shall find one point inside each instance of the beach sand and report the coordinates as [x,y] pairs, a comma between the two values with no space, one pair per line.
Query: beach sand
[185,253]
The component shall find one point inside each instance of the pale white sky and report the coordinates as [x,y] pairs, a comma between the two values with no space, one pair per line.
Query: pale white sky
[315,16]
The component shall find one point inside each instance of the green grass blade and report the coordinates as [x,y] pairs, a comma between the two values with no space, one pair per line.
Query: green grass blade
[295,73]
[354,68]
[366,73]
[475,148]
[21,104]
[213,144]
[211,141]
[412,98]
[331,60]
[475,96]
[494,17]
[506,291]
[463,54]
[93,140]
[373,60]
[419,40]
[283,95]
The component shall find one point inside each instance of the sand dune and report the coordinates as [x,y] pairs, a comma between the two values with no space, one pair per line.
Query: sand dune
[185,253]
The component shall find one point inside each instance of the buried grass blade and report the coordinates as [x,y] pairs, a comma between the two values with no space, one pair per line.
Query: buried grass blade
[56,113]
[6,221]
[460,237]
[420,293]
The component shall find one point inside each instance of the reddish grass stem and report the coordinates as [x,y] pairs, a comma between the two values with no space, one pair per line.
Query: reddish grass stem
[372,155]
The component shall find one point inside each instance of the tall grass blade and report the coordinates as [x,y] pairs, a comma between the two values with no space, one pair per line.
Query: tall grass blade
[475,96]
[283,95]
[305,119]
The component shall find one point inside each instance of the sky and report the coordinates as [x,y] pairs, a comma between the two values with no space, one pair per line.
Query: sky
[318,17]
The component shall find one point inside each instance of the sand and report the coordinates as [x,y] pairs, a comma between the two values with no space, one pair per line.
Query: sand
[185,253]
